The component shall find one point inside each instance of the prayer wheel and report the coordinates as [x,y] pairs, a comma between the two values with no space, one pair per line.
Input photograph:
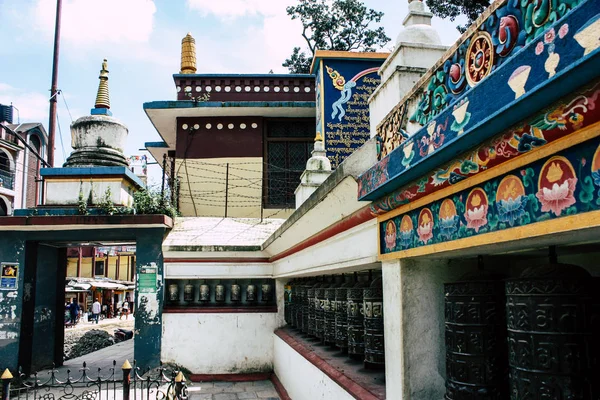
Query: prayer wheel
[320,310]
[188,292]
[266,292]
[204,293]
[476,361]
[287,303]
[356,327]
[219,293]
[341,313]
[312,307]
[329,308]
[553,321]
[251,293]
[306,304]
[236,293]
[297,295]
[373,313]
[173,292]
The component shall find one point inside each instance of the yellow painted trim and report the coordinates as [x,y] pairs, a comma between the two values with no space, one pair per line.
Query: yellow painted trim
[558,225]
[565,142]
[347,54]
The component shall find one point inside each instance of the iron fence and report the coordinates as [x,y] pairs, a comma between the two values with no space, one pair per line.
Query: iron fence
[131,384]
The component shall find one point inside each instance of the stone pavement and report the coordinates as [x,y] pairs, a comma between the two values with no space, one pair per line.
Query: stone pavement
[260,390]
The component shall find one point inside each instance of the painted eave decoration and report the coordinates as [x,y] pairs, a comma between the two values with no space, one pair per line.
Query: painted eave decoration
[523,56]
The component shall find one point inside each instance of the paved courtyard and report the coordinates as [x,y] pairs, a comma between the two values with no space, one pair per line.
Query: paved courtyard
[232,391]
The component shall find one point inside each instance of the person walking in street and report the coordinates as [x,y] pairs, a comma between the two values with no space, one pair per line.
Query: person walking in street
[125,309]
[96,308]
[74,311]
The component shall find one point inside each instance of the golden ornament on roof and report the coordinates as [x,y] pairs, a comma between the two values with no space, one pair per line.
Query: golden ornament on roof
[338,80]
[102,97]
[188,55]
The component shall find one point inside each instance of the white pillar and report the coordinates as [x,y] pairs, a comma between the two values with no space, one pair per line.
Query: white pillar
[392,322]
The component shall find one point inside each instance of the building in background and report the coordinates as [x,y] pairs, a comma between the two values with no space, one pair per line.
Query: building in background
[19,166]
[237,144]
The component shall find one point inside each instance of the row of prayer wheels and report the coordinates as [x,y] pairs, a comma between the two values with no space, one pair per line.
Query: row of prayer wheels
[532,337]
[345,311]
[209,291]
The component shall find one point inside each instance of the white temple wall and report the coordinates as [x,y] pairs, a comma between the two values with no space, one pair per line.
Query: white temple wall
[232,343]
[301,379]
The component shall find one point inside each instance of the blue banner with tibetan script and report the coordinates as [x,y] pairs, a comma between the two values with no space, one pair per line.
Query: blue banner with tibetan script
[344,85]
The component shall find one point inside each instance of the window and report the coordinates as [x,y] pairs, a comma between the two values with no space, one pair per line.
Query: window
[288,145]
[99,268]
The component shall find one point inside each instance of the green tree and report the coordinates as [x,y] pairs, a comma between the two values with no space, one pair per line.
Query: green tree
[454,8]
[334,25]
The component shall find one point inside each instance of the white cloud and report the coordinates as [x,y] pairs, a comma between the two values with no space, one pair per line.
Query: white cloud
[237,8]
[87,22]
[32,106]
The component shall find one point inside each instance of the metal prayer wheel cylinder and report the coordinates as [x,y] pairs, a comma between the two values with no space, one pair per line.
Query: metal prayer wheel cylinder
[297,311]
[266,292]
[173,292]
[320,310]
[236,293]
[356,328]
[341,315]
[476,360]
[329,307]
[287,303]
[188,292]
[305,304]
[251,293]
[204,293]
[553,321]
[219,293]
[373,313]
[312,303]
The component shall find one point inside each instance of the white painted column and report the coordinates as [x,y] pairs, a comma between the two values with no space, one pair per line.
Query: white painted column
[392,322]
[279,293]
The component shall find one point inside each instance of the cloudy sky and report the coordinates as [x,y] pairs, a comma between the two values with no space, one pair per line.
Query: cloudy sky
[141,40]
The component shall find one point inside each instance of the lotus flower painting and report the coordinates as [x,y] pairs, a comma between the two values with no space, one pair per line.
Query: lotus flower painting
[390,235]
[425,228]
[556,185]
[476,209]
[448,222]
[511,200]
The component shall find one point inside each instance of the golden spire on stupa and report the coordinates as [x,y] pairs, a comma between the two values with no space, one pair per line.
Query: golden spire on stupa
[319,137]
[102,99]
[188,55]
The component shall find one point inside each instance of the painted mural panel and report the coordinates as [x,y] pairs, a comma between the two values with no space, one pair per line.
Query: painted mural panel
[569,115]
[343,88]
[566,183]
[558,54]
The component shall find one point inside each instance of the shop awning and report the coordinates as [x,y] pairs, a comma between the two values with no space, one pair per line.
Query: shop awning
[107,285]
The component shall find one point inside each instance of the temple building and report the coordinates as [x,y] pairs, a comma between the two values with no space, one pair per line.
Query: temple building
[438,240]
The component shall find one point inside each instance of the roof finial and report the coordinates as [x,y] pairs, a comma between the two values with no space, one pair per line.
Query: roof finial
[188,55]
[102,99]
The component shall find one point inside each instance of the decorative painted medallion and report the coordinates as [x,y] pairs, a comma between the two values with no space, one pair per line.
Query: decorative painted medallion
[508,34]
[406,231]
[480,58]
[390,235]
[425,228]
[511,200]
[476,209]
[448,221]
[556,185]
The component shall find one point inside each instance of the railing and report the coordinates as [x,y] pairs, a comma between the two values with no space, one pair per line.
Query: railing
[268,87]
[7,179]
[87,385]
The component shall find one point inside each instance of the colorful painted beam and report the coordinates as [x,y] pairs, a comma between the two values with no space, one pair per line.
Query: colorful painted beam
[565,57]
[563,184]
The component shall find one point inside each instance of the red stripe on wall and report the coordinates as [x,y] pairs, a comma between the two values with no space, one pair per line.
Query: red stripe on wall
[358,217]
